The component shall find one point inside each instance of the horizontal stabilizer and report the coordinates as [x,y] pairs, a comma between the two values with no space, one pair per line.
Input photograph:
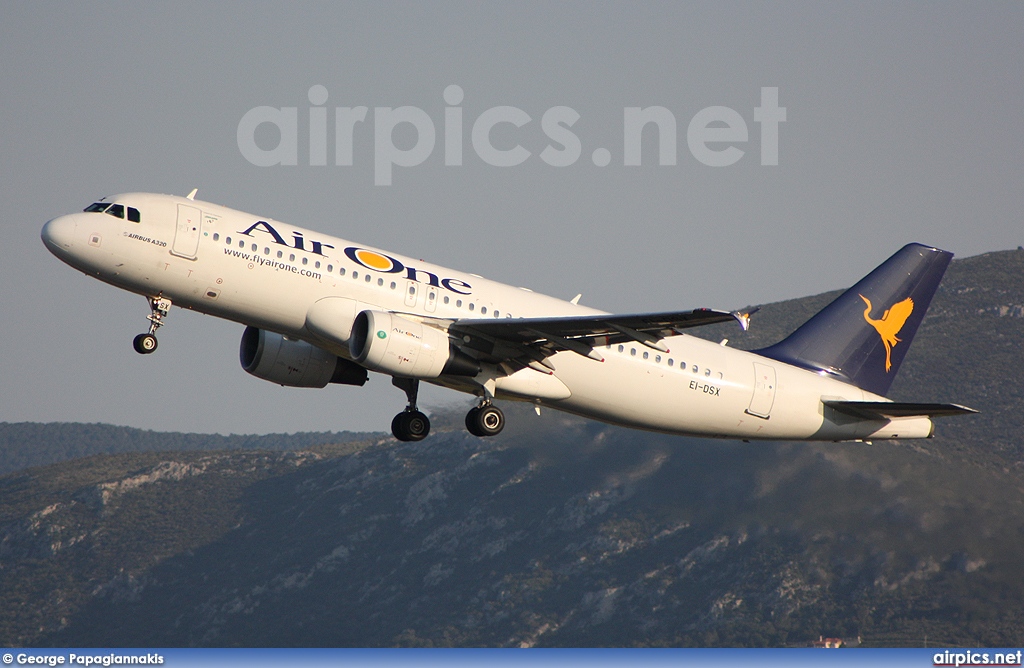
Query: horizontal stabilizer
[885,410]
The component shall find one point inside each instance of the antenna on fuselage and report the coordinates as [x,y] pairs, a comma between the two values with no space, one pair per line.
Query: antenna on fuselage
[192,195]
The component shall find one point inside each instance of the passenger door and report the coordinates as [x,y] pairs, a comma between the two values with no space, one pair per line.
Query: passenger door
[187,231]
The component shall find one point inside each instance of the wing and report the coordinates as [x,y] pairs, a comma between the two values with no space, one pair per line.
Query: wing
[519,342]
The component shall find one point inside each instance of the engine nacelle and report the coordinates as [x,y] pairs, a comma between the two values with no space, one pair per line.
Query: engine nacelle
[294,363]
[401,347]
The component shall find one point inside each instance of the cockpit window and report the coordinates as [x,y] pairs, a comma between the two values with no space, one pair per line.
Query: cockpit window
[115,210]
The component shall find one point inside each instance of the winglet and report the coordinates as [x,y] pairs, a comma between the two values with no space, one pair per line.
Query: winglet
[576,300]
[192,195]
[743,318]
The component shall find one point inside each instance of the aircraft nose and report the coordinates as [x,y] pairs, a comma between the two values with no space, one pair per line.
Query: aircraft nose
[58,234]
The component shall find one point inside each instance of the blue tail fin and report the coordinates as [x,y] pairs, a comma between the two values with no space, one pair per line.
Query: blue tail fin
[864,334]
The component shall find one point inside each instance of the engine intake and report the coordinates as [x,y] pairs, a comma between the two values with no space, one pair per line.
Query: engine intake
[294,363]
[401,347]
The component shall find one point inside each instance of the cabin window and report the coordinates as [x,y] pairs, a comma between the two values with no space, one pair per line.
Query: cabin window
[380,281]
[671,361]
[330,268]
[707,372]
[657,359]
[216,237]
[280,254]
[254,248]
[458,303]
[305,260]
[695,369]
[228,241]
[646,354]
[266,250]
[483,310]
[241,243]
[317,264]
[472,306]
[497,315]
[632,351]
[394,285]
[367,278]
[134,215]
[446,297]
[341,271]
[291,257]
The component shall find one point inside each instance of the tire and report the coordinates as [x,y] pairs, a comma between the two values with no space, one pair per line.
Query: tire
[485,421]
[471,422]
[144,344]
[410,426]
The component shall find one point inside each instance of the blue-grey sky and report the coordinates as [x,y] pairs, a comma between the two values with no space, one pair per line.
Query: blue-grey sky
[904,122]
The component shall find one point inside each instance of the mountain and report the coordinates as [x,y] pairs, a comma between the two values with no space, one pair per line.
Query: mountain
[559,532]
[27,444]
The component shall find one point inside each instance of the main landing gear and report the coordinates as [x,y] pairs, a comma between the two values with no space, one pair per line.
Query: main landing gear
[410,424]
[485,420]
[144,344]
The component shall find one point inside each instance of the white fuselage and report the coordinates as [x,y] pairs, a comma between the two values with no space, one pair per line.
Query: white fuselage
[268,274]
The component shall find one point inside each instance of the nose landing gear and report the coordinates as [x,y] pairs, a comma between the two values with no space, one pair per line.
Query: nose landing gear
[145,344]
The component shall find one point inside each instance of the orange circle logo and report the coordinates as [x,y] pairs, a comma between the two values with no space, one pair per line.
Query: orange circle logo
[374,260]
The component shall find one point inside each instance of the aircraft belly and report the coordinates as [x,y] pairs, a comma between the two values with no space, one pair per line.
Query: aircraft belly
[639,393]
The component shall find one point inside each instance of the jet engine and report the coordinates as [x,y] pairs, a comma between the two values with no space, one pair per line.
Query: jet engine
[294,363]
[401,347]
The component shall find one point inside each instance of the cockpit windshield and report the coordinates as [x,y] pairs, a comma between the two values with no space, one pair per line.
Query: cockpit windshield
[115,210]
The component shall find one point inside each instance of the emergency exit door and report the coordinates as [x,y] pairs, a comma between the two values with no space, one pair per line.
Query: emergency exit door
[764,391]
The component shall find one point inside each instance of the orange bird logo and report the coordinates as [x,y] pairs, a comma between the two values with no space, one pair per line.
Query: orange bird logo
[890,325]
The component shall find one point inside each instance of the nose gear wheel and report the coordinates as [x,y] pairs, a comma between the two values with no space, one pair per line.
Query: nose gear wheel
[145,344]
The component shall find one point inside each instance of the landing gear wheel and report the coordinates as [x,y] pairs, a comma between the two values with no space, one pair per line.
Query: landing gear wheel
[486,420]
[410,426]
[144,344]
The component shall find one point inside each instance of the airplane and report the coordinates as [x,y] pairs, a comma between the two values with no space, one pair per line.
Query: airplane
[318,310]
